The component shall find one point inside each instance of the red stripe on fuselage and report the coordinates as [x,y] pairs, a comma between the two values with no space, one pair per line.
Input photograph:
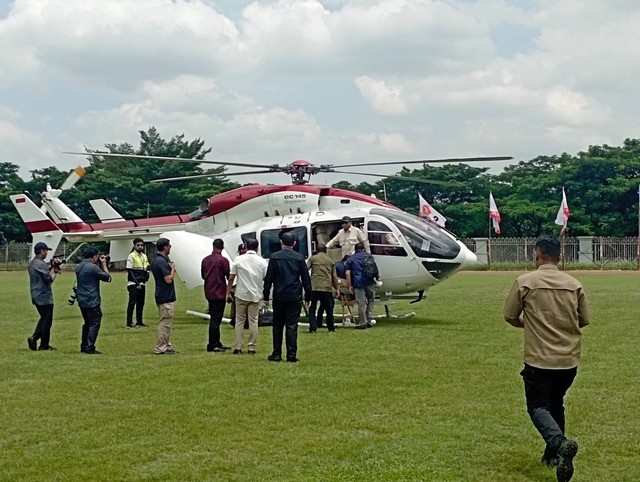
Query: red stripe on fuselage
[225,201]
[41,226]
[230,199]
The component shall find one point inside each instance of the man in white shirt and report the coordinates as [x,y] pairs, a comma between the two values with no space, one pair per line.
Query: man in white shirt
[348,237]
[247,271]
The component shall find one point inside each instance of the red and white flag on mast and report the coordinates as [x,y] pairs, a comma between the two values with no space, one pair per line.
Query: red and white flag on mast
[427,211]
[494,214]
[563,213]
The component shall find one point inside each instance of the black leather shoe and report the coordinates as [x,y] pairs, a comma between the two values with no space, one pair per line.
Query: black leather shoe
[222,347]
[139,325]
[32,343]
[94,352]
[566,453]
[274,358]
[49,348]
[293,360]
[251,352]
[237,352]
[218,349]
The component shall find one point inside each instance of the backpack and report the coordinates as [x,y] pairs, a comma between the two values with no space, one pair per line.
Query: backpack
[370,267]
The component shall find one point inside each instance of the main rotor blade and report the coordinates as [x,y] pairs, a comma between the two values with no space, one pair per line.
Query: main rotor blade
[410,179]
[275,167]
[202,176]
[431,161]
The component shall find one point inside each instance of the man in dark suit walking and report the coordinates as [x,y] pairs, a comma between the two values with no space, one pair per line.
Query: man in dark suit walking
[287,273]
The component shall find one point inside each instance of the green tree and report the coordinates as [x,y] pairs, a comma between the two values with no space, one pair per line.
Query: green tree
[11,226]
[125,182]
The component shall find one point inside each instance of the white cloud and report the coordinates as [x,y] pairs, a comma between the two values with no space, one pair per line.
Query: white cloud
[383,99]
[332,81]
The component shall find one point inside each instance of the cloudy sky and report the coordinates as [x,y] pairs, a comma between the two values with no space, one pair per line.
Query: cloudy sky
[330,81]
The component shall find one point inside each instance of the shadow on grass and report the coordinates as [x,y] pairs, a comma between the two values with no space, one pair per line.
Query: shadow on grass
[415,321]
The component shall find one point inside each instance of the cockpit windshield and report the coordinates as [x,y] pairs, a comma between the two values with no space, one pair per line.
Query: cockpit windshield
[425,239]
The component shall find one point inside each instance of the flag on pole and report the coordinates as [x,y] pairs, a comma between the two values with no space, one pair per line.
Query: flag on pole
[563,213]
[494,214]
[427,211]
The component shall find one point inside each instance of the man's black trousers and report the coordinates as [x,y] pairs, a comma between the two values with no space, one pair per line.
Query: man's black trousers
[92,318]
[136,300]
[43,328]
[286,316]
[545,390]
[216,312]
[325,298]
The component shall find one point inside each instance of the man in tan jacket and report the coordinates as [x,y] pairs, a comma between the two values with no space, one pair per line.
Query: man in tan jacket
[552,309]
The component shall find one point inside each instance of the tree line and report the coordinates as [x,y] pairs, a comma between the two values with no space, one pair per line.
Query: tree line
[601,184]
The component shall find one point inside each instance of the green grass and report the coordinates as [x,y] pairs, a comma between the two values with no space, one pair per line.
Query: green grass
[437,397]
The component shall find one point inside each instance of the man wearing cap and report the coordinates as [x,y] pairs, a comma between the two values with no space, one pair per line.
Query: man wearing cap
[89,273]
[348,237]
[41,276]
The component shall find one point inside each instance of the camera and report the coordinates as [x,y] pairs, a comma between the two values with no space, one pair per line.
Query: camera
[106,257]
[72,297]
[57,261]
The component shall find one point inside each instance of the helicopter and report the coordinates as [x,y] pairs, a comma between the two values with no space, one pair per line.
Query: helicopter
[412,253]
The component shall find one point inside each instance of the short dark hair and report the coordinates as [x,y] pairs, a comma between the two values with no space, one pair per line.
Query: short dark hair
[218,243]
[548,246]
[359,247]
[90,252]
[162,243]
[138,240]
[322,248]
[288,239]
[251,244]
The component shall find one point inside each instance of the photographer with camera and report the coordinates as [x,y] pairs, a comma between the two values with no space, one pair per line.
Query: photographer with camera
[137,275]
[89,273]
[41,276]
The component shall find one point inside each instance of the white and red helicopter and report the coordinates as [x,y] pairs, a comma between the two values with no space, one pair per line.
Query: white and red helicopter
[412,254]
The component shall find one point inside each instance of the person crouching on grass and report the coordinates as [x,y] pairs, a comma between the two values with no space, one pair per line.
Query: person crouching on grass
[551,307]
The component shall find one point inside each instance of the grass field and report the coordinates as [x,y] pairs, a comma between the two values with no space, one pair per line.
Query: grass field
[435,398]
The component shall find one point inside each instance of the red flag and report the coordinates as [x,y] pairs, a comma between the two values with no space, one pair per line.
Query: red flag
[563,213]
[494,214]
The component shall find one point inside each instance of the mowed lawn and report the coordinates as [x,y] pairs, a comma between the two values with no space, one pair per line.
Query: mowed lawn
[437,397]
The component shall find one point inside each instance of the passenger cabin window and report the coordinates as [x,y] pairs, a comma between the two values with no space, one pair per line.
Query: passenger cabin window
[270,241]
[382,241]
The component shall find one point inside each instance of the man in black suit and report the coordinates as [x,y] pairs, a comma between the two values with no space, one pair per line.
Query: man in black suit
[287,273]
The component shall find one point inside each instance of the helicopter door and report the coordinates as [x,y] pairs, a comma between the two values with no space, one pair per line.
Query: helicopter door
[270,241]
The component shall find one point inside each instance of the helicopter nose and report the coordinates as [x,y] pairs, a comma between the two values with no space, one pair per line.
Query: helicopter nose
[470,259]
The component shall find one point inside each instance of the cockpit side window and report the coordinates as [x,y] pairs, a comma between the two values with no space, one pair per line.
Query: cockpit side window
[382,241]
[426,239]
